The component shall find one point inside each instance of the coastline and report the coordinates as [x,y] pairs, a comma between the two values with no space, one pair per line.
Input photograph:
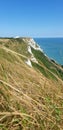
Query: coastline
[52,48]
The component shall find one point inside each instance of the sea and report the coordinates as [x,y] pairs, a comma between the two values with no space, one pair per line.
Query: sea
[52,47]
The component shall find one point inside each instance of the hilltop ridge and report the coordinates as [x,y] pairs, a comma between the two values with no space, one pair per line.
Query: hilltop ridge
[31,87]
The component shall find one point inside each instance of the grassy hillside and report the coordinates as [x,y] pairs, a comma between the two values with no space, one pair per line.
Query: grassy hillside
[52,67]
[31,98]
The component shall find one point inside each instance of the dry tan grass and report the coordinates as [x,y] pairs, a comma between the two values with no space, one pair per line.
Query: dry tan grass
[28,100]
[4,40]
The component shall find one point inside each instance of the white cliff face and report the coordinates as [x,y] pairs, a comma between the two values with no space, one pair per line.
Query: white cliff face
[32,56]
[32,43]
[28,62]
[29,50]
[34,59]
[16,37]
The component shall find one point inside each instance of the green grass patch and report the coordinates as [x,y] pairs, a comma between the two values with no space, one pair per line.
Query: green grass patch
[48,64]
[46,73]
[2,127]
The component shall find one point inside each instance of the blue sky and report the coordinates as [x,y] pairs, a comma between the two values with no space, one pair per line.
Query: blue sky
[34,18]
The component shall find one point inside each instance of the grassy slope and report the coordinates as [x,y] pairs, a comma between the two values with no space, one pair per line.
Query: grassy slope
[29,99]
[49,65]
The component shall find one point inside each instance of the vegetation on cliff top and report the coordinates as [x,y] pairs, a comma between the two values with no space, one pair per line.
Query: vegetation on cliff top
[31,98]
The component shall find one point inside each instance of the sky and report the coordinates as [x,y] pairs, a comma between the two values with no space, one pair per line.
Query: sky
[31,18]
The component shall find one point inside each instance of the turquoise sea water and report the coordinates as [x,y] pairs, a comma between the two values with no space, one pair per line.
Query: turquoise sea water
[52,47]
